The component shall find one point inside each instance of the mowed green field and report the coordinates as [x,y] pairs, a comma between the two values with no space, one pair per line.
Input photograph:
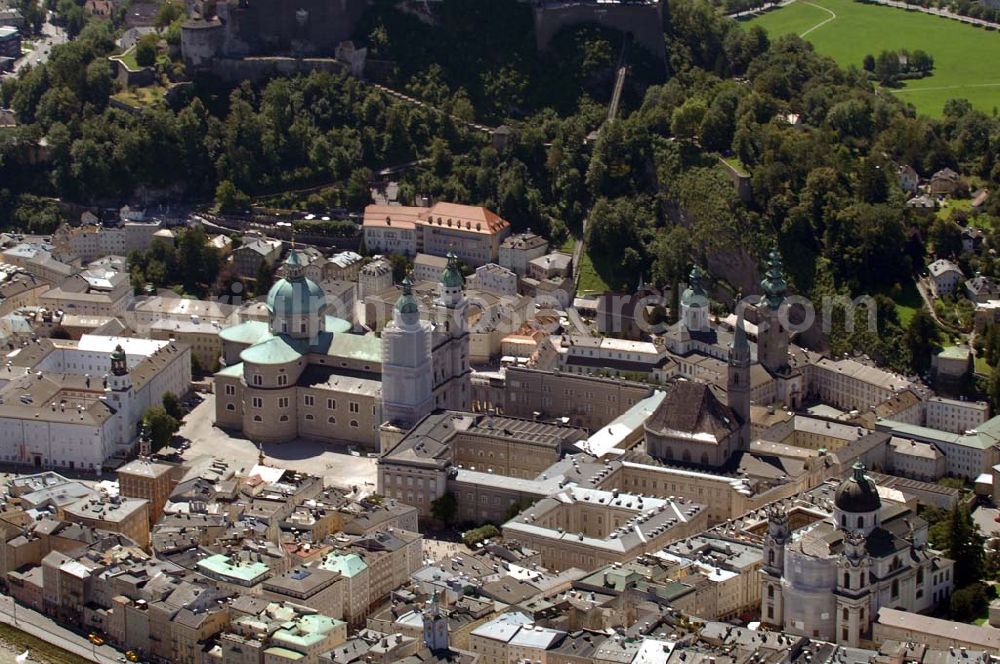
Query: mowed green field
[966,58]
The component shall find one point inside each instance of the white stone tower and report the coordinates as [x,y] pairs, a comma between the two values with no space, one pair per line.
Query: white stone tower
[435,626]
[778,534]
[407,364]
[853,589]
[452,371]
[694,305]
[120,395]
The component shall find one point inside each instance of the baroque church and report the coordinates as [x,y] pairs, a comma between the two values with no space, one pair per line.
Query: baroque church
[303,374]
[828,579]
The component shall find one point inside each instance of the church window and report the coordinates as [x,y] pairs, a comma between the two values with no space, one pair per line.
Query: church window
[257,418]
[920,575]
[843,634]
[847,580]
[845,614]
[283,379]
[770,612]
[770,592]
[354,407]
[770,561]
[283,402]
[257,379]
[309,400]
[861,522]
[894,591]
[230,406]
[331,420]
[309,416]
[284,418]
[331,404]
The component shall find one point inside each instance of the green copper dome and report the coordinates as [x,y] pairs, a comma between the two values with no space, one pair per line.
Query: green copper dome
[295,295]
[694,294]
[407,303]
[773,283]
[452,276]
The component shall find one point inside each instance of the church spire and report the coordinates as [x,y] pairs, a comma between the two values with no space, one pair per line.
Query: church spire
[773,283]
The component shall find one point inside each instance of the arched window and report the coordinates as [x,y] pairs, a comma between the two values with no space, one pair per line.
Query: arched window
[920,575]
[331,420]
[704,458]
[895,588]
[284,418]
[861,522]
[770,557]
[686,456]
[230,406]
[257,418]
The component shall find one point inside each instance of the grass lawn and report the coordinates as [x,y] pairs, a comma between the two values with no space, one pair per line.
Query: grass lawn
[952,204]
[40,650]
[128,58]
[908,302]
[568,245]
[140,97]
[590,281]
[735,164]
[982,368]
[965,56]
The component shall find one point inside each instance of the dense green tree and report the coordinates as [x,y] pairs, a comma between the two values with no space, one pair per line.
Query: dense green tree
[162,426]
[964,545]
[445,508]
[172,405]
[145,50]
[921,340]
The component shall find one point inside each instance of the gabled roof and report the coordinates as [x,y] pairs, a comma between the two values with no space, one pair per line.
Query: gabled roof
[692,408]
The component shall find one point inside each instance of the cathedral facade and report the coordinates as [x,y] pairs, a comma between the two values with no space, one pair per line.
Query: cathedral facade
[303,374]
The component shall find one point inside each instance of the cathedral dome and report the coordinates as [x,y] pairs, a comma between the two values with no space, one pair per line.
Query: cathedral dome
[857,493]
[295,295]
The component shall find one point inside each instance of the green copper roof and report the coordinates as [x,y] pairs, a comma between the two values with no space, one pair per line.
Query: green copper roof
[452,276]
[350,565]
[308,631]
[773,282]
[295,297]
[407,303]
[249,332]
[234,371]
[337,325]
[224,566]
[276,350]
[118,353]
[694,294]
[367,348]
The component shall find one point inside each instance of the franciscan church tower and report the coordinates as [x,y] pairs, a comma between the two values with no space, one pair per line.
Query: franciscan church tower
[407,374]
[773,335]
[772,338]
[738,383]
